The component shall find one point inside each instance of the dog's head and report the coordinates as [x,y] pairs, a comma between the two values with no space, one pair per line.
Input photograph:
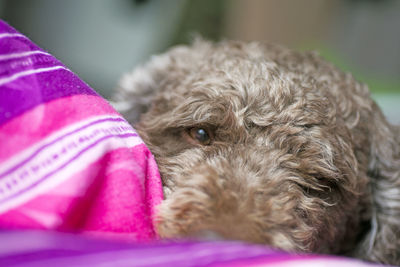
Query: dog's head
[252,144]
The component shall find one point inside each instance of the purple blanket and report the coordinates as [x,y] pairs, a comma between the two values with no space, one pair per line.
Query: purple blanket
[30,249]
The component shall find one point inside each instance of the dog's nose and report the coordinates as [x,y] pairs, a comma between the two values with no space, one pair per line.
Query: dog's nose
[208,235]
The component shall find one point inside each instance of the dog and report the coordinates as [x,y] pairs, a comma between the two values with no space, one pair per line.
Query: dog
[259,143]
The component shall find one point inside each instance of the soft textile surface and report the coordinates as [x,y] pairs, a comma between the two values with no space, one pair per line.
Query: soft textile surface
[51,249]
[68,160]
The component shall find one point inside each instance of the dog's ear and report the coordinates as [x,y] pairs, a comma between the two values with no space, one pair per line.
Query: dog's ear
[136,89]
[382,243]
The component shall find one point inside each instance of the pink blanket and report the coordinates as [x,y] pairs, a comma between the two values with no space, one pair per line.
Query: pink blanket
[68,160]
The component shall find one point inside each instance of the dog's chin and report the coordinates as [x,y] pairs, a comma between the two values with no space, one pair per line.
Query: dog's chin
[226,232]
[202,206]
[207,235]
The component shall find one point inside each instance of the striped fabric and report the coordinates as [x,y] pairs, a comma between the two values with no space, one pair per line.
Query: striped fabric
[68,160]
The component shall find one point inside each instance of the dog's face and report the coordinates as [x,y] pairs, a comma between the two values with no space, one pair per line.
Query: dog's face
[256,143]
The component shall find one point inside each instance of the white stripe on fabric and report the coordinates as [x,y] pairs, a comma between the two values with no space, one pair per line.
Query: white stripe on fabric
[18,75]
[57,157]
[22,54]
[10,35]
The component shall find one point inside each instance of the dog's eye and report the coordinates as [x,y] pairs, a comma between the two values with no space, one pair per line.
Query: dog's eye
[200,135]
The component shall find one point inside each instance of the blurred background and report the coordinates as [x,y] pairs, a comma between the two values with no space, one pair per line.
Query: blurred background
[101,39]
